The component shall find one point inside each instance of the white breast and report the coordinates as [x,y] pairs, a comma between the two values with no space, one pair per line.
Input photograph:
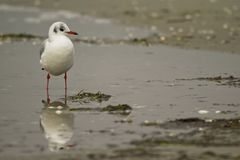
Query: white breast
[57,57]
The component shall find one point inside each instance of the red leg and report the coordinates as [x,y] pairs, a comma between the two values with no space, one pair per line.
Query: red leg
[48,78]
[65,78]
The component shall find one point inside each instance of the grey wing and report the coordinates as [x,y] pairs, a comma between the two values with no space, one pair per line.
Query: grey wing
[42,47]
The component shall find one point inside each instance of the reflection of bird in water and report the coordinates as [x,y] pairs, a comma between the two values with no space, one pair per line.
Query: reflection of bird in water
[56,121]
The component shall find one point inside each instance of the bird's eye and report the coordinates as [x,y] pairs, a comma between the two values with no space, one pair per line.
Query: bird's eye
[61,28]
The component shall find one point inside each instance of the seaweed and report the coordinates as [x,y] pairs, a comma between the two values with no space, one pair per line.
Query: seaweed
[18,37]
[123,109]
[87,97]
[219,80]
[195,123]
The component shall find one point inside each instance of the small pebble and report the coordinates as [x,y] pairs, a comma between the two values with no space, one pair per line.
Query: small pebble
[162,38]
[188,17]
[171,28]
[208,120]
[217,112]
[202,111]
[58,112]
[59,107]
[225,26]
[180,30]
[146,122]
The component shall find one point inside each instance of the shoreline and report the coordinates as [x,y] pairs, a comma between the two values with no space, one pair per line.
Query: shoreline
[206,25]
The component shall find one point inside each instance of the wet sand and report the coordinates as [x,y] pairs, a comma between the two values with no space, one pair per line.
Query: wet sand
[181,103]
[206,24]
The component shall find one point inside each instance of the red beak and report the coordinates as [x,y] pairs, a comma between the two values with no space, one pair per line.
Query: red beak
[72,33]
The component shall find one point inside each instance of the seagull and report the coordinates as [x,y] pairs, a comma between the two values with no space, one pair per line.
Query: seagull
[56,53]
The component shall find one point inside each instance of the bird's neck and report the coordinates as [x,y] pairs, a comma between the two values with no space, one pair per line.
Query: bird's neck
[56,36]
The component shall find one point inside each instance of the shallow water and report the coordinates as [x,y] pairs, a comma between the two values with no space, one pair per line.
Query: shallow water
[146,78]
[18,19]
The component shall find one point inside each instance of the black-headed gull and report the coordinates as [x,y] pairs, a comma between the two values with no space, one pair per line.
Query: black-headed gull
[56,54]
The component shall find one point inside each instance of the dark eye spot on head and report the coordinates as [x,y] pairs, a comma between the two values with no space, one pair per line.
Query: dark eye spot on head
[62,28]
[55,29]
